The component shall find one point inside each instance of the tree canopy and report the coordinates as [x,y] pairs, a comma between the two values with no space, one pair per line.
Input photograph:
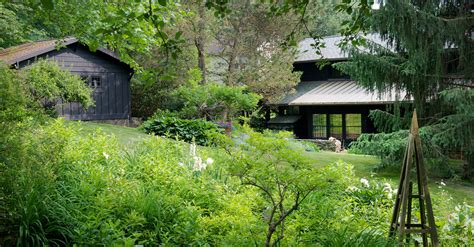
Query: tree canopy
[429,57]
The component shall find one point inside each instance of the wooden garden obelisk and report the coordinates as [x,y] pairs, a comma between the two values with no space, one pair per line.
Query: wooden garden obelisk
[403,224]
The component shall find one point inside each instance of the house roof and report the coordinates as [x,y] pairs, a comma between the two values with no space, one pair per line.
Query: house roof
[336,92]
[30,50]
[290,119]
[331,51]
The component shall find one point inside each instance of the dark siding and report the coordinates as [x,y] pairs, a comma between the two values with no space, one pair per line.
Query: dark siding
[311,72]
[112,98]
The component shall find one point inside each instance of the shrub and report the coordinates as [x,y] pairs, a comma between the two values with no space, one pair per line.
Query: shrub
[459,227]
[213,101]
[268,162]
[390,148]
[195,130]
[48,83]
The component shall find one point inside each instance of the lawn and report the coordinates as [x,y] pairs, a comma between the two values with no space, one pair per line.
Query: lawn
[364,165]
[126,136]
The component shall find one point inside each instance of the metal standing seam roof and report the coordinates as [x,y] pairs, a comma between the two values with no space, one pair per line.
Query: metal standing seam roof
[331,51]
[29,50]
[336,92]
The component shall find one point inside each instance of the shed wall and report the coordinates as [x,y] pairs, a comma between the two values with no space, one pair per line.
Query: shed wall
[112,97]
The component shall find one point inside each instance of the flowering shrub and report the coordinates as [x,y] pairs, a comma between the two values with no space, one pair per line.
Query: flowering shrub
[370,202]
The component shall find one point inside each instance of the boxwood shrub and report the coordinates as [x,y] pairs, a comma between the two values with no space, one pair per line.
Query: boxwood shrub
[187,130]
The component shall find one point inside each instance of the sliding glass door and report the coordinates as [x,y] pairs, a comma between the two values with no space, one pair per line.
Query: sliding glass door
[341,126]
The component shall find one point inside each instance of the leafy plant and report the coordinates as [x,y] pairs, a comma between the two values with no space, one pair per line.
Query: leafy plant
[195,130]
[459,227]
[390,148]
[213,101]
[266,161]
[48,83]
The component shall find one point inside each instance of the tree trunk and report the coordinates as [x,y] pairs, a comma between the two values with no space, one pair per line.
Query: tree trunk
[268,241]
[200,41]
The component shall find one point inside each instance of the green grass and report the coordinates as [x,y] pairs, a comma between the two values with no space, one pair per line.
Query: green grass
[126,136]
[364,165]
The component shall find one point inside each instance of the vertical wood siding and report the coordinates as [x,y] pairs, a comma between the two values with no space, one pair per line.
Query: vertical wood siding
[112,98]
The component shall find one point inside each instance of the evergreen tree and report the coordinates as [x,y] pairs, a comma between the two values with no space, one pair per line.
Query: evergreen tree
[429,56]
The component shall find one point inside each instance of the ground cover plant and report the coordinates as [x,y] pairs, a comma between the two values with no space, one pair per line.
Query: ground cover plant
[79,185]
[189,130]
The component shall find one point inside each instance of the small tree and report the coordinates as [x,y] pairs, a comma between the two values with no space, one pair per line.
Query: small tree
[213,101]
[267,162]
[48,83]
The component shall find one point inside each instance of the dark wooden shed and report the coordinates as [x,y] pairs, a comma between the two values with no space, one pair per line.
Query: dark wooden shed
[102,70]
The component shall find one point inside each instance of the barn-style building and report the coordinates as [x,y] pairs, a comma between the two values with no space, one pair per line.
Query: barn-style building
[102,70]
[327,103]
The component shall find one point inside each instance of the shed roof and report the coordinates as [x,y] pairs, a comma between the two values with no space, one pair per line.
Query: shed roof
[30,50]
[336,92]
[331,51]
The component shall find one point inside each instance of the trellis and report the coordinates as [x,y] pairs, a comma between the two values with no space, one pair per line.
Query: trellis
[402,224]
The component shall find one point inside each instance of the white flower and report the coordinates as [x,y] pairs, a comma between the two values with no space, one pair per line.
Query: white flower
[209,161]
[105,155]
[388,188]
[197,163]
[192,149]
[181,164]
[365,182]
[442,183]
[352,189]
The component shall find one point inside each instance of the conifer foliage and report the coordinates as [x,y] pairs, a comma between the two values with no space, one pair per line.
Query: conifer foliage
[429,55]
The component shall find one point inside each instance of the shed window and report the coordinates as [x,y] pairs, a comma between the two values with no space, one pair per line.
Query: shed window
[335,123]
[319,126]
[92,81]
[96,81]
[353,126]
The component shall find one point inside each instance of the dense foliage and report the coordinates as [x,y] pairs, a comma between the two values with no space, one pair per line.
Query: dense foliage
[49,84]
[81,189]
[212,100]
[189,130]
[127,27]
[60,186]
[428,59]
[44,84]
[391,147]
[285,177]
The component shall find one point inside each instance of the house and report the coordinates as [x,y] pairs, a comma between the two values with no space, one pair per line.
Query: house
[327,103]
[102,70]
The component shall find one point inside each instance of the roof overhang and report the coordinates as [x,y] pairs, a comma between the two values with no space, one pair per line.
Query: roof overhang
[338,92]
[288,119]
[23,52]
[341,59]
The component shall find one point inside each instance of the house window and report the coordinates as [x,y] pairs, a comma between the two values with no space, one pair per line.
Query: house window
[335,126]
[319,126]
[353,126]
[92,81]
